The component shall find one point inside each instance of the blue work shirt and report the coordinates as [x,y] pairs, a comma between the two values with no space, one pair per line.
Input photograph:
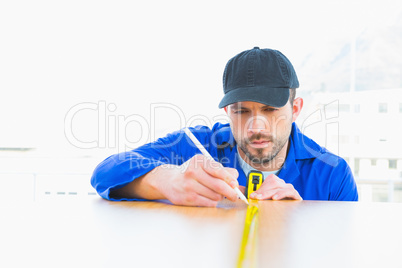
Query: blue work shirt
[315,173]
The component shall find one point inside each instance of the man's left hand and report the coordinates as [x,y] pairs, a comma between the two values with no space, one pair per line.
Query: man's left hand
[276,189]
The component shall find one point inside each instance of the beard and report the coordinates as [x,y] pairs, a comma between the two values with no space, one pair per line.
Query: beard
[259,157]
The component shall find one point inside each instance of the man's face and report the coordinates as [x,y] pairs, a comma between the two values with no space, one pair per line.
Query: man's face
[261,131]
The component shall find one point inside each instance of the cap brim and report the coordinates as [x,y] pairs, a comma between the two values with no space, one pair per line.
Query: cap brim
[275,97]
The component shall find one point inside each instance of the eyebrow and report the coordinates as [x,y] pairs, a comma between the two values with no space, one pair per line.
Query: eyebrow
[239,106]
[236,106]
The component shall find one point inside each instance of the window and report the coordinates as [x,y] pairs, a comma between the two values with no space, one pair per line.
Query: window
[382,108]
[344,108]
[392,164]
[357,166]
[357,108]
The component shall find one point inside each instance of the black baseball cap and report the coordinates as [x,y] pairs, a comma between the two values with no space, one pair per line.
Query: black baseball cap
[259,75]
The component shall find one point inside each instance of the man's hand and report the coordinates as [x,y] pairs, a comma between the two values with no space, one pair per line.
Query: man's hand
[198,182]
[276,189]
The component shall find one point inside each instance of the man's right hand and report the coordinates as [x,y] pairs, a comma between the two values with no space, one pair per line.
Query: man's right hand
[198,182]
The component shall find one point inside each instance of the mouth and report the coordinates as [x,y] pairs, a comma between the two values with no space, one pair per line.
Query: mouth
[259,143]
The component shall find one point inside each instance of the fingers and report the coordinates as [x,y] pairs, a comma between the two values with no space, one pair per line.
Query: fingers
[216,185]
[202,177]
[234,173]
[277,194]
[214,176]
[274,181]
[242,189]
[270,185]
[215,169]
[194,199]
[189,192]
[286,194]
[202,190]
[276,189]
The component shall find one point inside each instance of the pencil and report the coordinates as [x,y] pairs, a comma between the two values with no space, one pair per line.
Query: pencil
[205,153]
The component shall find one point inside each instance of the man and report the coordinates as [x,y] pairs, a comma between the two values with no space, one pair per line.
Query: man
[259,87]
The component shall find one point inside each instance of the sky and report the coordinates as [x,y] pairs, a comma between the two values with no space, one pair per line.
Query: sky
[89,74]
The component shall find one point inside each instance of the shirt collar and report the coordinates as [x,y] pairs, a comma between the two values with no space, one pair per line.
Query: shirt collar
[247,168]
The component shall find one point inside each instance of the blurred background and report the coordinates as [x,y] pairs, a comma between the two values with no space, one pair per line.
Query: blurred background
[81,80]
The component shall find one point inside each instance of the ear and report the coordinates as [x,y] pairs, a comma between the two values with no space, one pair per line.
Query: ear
[297,107]
[226,109]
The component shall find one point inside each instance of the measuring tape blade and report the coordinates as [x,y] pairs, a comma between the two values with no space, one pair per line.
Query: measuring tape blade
[247,248]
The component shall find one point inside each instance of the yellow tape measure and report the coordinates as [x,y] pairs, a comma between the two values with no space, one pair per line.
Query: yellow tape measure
[254,180]
[247,254]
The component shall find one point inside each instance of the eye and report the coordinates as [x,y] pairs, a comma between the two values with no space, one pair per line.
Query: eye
[240,112]
[270,109]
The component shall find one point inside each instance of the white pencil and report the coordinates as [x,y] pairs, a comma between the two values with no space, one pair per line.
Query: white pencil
[205,153]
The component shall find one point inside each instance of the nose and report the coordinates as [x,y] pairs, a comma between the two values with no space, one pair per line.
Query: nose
[257,124]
